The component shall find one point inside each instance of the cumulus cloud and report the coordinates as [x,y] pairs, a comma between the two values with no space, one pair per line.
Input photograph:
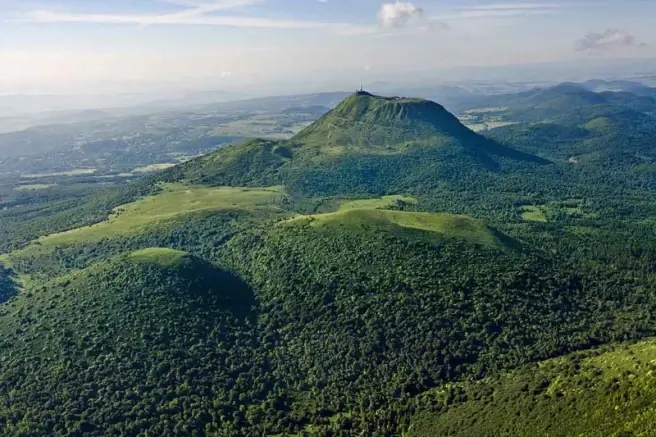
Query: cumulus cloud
[404,15]
[607,40]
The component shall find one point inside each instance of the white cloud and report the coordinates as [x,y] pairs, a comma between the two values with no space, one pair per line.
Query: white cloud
[399,14]
[405,15]
[607,40]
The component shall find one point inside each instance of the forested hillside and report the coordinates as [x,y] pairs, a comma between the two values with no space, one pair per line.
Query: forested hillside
[616,140]
[385,272]
[544,103]
[606,392]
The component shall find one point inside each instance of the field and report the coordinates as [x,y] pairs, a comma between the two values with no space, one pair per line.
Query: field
[159,256]
[572,208]
[271,126]
[370,214]
[76,172]
[485,110]
[481,119]
[34,187]
[486,125]
[533,214]
[152,167]
[175,201]
[379,203]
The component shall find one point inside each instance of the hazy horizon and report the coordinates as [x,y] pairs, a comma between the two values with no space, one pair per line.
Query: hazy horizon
[64,46]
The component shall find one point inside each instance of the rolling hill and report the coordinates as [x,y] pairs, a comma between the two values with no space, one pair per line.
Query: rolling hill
[334,284]
[611,136]
[607,391]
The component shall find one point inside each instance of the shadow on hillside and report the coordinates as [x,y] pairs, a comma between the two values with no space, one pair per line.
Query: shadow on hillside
[8,284]
[506,240]
[228,292]
[499,149]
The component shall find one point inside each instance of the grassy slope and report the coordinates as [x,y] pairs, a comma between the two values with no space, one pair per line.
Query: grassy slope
[364,123]
[373,214]
[160,256]
[399,222]
[176,201]
[609,392]
[533,213]
[376,203]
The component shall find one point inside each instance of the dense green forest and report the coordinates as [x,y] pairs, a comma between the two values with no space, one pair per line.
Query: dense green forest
[385,271]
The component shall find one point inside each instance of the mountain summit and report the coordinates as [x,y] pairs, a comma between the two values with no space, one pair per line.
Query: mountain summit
[367,120]
[366,144]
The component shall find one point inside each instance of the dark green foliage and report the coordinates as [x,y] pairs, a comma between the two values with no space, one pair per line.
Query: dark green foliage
[128,347]
[601,140]
[360,321]
[451,309]
[356,328]
[198,233]
[8,285]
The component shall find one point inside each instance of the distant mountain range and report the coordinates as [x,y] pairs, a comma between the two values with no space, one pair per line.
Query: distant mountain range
[637,88]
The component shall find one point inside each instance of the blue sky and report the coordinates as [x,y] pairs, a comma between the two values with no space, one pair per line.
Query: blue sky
[73,44]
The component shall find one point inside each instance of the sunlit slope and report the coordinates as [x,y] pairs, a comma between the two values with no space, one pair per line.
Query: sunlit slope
[160,256]
[174,202]
[611,392]
[378,215]
[400,223]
